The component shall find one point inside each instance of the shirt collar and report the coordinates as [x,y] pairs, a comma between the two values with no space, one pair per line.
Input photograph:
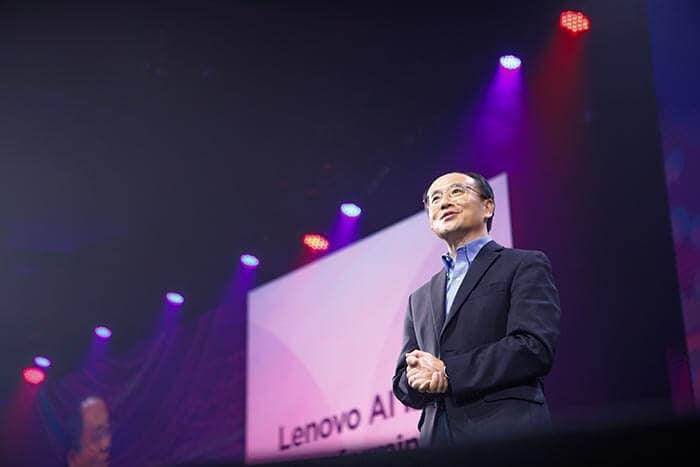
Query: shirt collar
[469,250]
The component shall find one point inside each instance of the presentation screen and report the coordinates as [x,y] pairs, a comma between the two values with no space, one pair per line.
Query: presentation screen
[323,342]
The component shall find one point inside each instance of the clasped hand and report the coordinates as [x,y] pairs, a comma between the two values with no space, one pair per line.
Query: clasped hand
[425,372]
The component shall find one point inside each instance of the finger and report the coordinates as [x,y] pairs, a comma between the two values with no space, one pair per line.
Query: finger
[422,373]
[417,363]
[425,382]
[416,383]
[415,378]
[433,383]
[443,384]
[415,371]
[436,382]
[419,378]
[411,361]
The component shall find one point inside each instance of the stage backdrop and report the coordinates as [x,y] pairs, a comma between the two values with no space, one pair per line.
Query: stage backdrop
[323,342]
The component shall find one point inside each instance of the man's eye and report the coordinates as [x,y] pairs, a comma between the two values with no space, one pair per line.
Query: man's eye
[434,199]
[457,191]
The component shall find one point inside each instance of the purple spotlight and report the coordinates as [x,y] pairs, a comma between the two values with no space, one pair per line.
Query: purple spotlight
[42,362]
[350,210]
[249,261]
[175,298]
[103,332]
[510,62]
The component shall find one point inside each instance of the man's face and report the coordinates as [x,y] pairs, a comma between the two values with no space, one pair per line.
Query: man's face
[96,438]
[454,217]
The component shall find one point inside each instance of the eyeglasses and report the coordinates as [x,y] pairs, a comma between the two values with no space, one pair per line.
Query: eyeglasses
[453,192]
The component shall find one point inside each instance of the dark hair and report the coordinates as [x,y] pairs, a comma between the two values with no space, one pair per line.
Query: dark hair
[485,191]
[73,428]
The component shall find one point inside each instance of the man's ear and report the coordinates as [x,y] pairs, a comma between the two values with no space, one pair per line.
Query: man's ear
[492,204]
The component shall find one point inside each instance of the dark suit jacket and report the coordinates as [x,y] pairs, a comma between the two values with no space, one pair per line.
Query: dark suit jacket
[497,343]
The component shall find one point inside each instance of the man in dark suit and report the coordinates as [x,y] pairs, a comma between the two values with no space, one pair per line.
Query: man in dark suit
[479,336]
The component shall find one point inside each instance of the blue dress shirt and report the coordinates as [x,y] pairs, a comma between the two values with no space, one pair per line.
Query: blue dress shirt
[457,268]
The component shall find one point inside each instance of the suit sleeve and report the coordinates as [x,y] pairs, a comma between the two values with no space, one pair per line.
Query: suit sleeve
[527,350]
[402,390]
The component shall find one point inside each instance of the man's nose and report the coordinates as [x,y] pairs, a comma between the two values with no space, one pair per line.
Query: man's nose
[445,202]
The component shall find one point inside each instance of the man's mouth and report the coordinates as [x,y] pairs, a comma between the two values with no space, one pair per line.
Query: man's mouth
[447,215]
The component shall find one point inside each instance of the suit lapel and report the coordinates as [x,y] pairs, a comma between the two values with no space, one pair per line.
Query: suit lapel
[437,299]
[481,263]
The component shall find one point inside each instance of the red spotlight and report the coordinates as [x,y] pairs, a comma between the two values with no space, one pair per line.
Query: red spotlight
[316,242]
[574,21]
[33,375]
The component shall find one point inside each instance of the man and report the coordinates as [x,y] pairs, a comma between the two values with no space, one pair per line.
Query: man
[89,435]
[479,336]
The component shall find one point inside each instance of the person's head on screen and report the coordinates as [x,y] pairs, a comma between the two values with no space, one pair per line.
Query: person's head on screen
[88,436]
[460,206]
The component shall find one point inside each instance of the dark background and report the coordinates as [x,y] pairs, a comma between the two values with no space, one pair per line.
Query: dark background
[144,147]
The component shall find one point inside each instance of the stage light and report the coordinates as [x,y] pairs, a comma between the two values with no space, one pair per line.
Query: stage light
[42,362]
[33,375]
[103,332]
[350,210]
[574,21]
[316,242]
[249,261]
[174,298]
[510,62]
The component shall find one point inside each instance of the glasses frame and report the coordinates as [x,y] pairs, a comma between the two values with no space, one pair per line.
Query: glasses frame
[466,186]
